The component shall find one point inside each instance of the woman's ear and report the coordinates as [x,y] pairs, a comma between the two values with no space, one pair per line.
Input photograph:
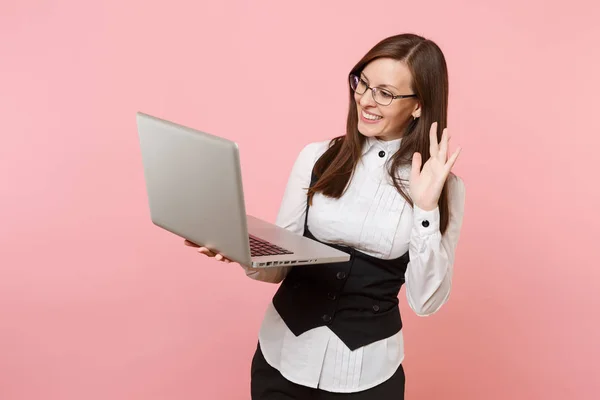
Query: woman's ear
[417,112]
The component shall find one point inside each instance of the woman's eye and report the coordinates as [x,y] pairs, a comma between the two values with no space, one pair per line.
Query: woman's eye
[386,95]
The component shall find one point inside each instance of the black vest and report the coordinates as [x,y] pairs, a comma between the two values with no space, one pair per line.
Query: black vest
[357,299]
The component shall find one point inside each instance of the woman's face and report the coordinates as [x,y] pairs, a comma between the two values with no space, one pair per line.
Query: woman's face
[387,122]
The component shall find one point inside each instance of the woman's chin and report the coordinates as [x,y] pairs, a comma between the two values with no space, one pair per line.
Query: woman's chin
[367,130]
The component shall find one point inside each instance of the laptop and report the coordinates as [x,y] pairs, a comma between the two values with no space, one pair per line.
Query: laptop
[194,188]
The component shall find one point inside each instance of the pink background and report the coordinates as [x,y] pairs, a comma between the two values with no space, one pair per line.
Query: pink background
[96,303]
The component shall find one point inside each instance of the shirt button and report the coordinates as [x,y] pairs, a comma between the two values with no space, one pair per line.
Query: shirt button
[425,223]
[326,317]
[331,296]
[341,275]
[382,154]
[375,308]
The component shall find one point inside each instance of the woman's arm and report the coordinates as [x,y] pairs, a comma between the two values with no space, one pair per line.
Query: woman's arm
[292,210]
[429,272]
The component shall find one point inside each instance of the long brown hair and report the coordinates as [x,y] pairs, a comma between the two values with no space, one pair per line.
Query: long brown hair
[428,68]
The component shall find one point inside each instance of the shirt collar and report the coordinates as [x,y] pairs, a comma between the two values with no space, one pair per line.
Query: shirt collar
[389,146]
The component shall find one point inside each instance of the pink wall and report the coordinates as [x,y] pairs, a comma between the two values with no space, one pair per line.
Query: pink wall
[95,303]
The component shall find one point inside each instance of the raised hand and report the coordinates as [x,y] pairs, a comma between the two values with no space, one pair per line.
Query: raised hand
[426,185]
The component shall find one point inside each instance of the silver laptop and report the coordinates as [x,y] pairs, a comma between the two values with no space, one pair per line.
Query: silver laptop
[194,187]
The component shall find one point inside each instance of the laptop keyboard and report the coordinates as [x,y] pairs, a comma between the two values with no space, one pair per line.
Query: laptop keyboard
[259,247]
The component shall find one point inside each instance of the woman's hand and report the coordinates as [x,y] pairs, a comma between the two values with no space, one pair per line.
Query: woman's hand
[207,252]
[426,185]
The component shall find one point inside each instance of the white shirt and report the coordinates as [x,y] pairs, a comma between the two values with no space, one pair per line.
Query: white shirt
[372,217]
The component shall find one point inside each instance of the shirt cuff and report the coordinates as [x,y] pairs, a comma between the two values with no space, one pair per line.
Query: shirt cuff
[426,222]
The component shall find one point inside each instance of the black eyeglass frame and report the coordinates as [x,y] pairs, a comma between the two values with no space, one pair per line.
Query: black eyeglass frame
[375,89]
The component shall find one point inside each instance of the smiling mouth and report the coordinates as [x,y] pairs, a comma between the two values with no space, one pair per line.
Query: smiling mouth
[370,117]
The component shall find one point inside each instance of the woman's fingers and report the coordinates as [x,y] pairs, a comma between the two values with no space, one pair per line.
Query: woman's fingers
[221,257]
[453,159]
[443,154]
[206,251]
[433,142]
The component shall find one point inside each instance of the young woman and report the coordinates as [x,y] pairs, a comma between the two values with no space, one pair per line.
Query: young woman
[384,193]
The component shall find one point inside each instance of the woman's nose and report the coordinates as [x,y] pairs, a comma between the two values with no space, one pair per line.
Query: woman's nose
[366,99]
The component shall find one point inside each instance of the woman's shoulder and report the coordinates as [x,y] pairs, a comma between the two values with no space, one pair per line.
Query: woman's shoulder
[456,186]
[320,145]
[313,150]
[455,180]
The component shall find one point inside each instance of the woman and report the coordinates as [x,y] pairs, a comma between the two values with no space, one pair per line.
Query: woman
[334,330]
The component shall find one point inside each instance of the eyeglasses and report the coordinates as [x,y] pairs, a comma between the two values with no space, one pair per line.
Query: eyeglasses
[381,96]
